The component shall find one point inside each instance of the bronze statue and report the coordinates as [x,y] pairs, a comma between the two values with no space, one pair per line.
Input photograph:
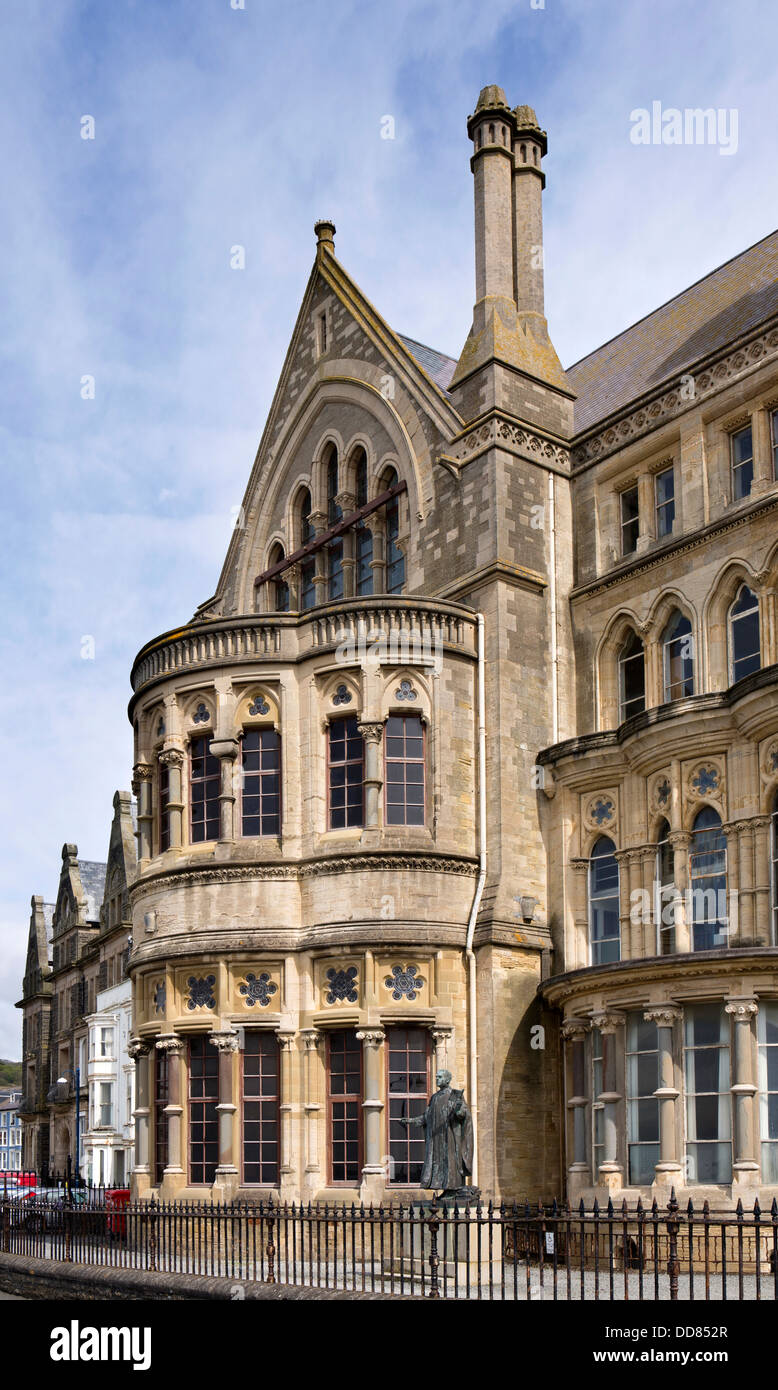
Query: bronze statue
[448,1154]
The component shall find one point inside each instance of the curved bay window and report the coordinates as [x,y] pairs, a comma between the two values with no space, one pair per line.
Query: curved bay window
[203,1115]
[161,1099]
[204,778]
[708,1098]
[395,560]
[344,1106]
[260,759]
[335,548]
[632,678]
[346,774]
[604,930]
[708,881]
[404,770]
[408,1086]
[279,588]
[308,567]
[642,1105]
[363,542]
[260,1078]
[743,625]
[665,895]
[678,657]
[767,1037]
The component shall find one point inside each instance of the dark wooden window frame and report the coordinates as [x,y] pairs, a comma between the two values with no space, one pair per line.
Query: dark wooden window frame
[260,729]
[207,738]
[335,1099]
[195,1103]
[406,1028]
[398,825]
[263,1033]
[342,719]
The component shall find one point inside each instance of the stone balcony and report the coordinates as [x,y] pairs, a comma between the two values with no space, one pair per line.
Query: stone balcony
[418,630]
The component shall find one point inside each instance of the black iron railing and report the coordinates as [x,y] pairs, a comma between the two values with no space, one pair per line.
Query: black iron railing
[491,1251]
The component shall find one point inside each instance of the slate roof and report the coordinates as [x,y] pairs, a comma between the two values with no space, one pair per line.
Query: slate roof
[717,310]
[436,364]
[93,884]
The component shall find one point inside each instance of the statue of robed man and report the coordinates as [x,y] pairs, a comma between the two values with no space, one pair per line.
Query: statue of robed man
[448,1133]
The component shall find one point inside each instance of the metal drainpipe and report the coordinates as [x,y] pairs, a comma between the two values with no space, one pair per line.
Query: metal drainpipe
[479,888]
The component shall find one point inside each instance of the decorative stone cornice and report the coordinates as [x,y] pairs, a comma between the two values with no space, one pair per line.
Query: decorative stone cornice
[672,402]
[663,1015]
[501,432]
[227,1041]
[339,864]
[743,1010]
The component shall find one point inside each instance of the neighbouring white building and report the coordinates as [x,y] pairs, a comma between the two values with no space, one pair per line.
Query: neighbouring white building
[109,1084]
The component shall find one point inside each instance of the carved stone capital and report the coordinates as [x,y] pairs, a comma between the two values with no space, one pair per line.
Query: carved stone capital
[286,1041]
[311,1038]
[371,733]
[227,1041]
[608,1021]
[679,839]
[372,1036]
[172,757]
[575,1029]
[578,865]
[142,772]
[173,1046]
[137,1048]
[663,1015]
[743,1010]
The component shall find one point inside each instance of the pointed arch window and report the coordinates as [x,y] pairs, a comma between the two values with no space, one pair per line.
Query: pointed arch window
[308,567]
[604,927]
[632,677]
[708,881]
[665,894]
[678,657]
[395,560]
[364,536]
[334,515]
[743,623]
[280,588]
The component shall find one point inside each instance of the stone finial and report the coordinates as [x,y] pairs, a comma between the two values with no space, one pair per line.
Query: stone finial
[325,233]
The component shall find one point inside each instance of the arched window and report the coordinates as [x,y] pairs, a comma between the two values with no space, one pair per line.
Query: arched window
[335,548]
[308,568]
[395,560]
[708,881]
[604,935]
[632,677]
[279,588]
[743,622]
[364,536]
[678,657]
[664,892]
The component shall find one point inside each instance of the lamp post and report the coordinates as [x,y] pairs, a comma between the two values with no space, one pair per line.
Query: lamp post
[62,1081]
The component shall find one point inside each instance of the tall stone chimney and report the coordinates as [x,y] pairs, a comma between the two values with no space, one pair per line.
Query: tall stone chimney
[508,347]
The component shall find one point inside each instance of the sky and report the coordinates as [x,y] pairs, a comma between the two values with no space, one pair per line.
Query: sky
[137,366]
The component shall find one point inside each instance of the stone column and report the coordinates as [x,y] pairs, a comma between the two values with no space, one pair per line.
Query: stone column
[347,503]
[372,733]
[312,1108]
[763,927]
[580,868]
[610,1024]
[732,832]
[142,779]
[680,841]
[441,1036]
[139,1050]
[668,1170]
[574,1033]
[173,760]
[227,1176]
[226,750]
[763,453]
[745,1168]
[625,859]
[319,523]
[286,1047]
[292,578]
[373,1171]
[174,1176]
[741,893]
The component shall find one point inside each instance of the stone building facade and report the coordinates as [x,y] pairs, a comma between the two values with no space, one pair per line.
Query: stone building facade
[472,758]
[77,951]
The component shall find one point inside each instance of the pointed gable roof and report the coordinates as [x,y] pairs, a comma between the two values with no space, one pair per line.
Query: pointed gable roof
[122,864]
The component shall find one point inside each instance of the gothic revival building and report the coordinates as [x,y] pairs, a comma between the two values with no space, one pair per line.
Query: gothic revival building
[76,1006]
[472,757]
